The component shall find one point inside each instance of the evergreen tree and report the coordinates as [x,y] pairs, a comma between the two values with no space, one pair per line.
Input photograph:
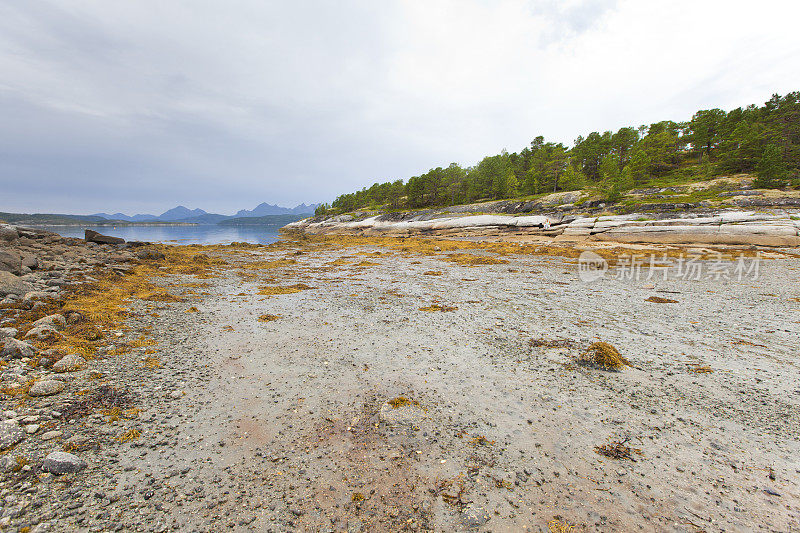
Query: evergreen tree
[771,171]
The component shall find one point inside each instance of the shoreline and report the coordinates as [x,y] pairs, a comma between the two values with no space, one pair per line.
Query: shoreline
[376,383]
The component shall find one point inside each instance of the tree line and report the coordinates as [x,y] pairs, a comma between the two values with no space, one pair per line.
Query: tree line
[761,140]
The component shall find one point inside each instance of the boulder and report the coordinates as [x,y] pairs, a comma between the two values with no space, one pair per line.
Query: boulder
[30,261]
[10,434]
[10,262]
[11,284]
[54,321]
[63,463]
[42,332]
[46,387]
[8,233]
[37,295]
[69,363]
[93,236]
[13,348]
[8,332]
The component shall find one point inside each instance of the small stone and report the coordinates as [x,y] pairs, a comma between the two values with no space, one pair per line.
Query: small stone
[475,517]
[30,429]
[176,394]
[62,463]
[50,435]
[46,387]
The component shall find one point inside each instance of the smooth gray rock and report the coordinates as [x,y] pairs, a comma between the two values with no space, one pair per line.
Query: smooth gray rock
[8,332]
[63,463]
[46,387]
[11,284]
[10,434]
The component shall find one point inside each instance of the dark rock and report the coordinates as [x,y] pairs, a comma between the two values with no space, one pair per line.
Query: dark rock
[93,236]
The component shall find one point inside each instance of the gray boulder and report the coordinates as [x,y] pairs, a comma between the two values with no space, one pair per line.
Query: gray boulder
[63,463]
[93,236]
[10,434]
[13,348]
[11,284]
[8,332]
[46,387]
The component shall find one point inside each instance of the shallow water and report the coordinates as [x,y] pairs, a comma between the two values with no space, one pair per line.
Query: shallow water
[200,234]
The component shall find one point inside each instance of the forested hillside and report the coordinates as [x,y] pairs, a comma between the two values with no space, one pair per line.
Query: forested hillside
[762,140]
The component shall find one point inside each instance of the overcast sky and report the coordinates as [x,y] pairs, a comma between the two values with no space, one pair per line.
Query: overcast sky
[140,105]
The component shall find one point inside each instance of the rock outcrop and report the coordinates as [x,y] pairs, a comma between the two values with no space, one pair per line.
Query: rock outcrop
[93,236]
[778,228]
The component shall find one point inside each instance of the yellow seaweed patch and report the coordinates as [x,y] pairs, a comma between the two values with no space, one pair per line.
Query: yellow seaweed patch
[273,290]
[605,356]
[402,401]
[432,273]
[265,265]
[660,300]
[151,363]
[436,307]
[473,260]
[268,318]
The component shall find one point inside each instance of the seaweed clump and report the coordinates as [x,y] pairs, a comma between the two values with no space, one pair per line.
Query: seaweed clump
[605,356]
[660,300]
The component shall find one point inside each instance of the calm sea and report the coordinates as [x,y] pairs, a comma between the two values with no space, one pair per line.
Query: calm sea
[201,234]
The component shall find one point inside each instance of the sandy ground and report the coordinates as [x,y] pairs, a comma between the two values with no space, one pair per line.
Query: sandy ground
[282,425]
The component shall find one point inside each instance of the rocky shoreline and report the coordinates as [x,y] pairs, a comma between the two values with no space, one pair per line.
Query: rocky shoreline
[780,228]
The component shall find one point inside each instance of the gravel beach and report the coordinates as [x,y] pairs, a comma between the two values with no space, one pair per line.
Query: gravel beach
[355,385]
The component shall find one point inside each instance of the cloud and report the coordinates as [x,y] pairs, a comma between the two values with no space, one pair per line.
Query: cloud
[143,105]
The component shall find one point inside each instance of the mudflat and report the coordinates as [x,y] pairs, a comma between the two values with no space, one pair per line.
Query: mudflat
[356,384]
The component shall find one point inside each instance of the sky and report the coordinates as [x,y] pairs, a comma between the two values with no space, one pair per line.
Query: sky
[140,105]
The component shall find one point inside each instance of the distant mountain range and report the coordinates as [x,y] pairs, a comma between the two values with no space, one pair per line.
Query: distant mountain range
[198,216]
[263,214]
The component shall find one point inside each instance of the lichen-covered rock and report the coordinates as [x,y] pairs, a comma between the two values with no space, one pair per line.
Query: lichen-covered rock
[70,363]
[10,434]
